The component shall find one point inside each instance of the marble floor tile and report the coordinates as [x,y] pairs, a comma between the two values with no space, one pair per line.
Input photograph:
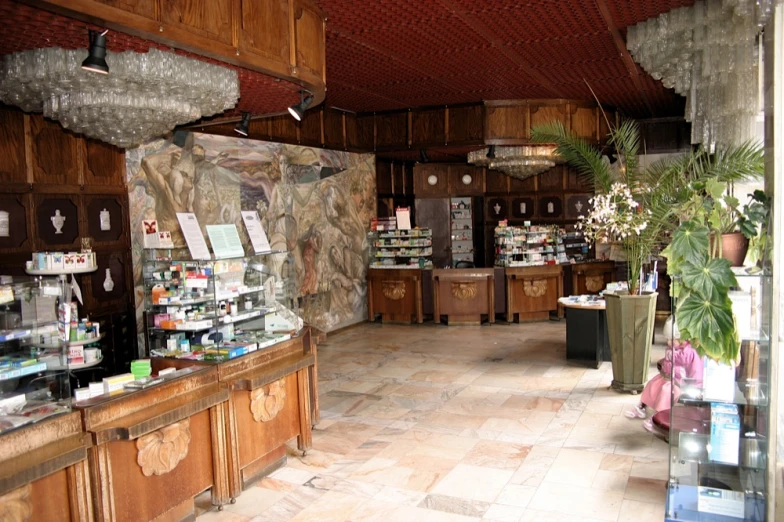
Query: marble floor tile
[462,424]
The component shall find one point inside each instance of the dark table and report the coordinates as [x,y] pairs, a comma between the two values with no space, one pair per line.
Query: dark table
[586,332]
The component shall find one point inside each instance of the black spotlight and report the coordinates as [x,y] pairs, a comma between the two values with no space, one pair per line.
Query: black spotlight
[298,110]
[96,61]
[491,152]
[423,156]
[242,127]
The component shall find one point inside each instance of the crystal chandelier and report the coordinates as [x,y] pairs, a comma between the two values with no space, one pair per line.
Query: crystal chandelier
[518,161]
[708,53]
[144,96]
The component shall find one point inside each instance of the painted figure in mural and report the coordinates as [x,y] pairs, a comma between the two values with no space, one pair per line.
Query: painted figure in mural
[166,185]
[347,290]
[340,213]
[311,245]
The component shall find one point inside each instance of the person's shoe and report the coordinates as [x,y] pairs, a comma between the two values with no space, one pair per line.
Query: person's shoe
[638,412]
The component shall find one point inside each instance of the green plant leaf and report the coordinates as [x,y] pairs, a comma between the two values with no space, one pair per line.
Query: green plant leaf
[715,188]
[708,320]
[706,278]
[690,241]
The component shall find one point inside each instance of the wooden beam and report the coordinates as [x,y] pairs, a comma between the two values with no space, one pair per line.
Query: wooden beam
[628,61]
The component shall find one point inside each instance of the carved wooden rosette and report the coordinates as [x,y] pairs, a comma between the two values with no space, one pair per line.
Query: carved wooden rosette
[161,450]
[394,290]
[16,505]
[464,290]
[535,287]
[266,402]
[594,283]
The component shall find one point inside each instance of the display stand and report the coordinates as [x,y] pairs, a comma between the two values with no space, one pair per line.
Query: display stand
[396,294]
[533,292]
[464,295]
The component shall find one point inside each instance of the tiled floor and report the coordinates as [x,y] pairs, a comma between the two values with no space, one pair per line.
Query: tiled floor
[464,423]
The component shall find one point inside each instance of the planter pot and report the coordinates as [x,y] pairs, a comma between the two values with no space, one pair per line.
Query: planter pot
[630,322]
[734,247]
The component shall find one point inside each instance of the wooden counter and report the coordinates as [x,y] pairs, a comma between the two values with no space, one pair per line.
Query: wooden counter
[532,292]
[44,474]
[592,277]
[155,449]
[269,403]
[396,294]
[464,295]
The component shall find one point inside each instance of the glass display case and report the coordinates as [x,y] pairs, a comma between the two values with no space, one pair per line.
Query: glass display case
[534,245]
[719,420]
[216,310]
[401,248]
[462,233]
[34,381]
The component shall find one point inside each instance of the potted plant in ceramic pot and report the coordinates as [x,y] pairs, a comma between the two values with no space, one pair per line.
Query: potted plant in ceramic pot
[644,210]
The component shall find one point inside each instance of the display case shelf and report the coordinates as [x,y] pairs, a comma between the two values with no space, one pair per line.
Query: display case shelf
[388,251]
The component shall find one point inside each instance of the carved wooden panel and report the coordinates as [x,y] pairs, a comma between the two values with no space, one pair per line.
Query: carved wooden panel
[543,114]
[55,498]
[463,290]
[506,122]
[550,207]
[431,180]
[584,124]
[56,223]
[267,401]
[333,129]
[17,505]
[398,178]
[577,205]
[359,132]
[106,292]
[310,128]
[107,220]
[496,182]
[383,177]
[159,452]
[551,180]
[428,127]
[523,186]
[283,128]
[465,124]
[264,28]
[459,174]
[104,164]
[391,130]
[12,147]
[408,179]
[15,223]
[54,153]
[535,287]
[575,181]
[145,8]
[393,290]
[208,19]
[496,209]
[309,28]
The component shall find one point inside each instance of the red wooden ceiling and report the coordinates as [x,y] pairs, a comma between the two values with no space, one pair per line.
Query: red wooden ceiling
[393,54]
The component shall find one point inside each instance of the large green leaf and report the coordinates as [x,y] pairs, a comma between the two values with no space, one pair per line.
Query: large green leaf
[709,322]
[715,189]
[708,277]
[690,241]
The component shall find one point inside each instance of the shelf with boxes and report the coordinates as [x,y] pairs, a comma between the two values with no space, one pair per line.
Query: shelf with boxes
[535,245]
[462,230]
[401,248]
[216,310]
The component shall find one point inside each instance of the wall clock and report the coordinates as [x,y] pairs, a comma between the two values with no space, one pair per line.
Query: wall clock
[432,180]
[467,179]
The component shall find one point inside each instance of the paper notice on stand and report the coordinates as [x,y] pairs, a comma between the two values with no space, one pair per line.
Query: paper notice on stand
[225,241]
[256,232]
[193,236]
[403,215]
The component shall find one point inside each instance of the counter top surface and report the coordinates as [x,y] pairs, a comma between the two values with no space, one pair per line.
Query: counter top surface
[582,305]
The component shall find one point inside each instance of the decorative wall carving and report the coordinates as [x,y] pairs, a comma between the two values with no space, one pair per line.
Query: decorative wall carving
[535,287]
[594,283]
[464,290]
[161,450]
[16,505]
[394,290]
[266,402]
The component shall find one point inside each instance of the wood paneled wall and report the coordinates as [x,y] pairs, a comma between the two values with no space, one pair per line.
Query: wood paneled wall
[281,38]
[45,168]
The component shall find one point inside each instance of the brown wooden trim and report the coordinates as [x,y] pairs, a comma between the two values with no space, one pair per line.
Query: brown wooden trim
[44,461]
[305,437]
[79,491]
[271,372]
[32,437]
[220,464]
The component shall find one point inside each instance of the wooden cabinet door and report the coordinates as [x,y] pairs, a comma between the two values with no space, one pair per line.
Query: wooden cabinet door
[12,148]
[209,19]
[54,153]
[145,8]
[309,29]
[104,165]
[264,29]
[431,180]
[434,214]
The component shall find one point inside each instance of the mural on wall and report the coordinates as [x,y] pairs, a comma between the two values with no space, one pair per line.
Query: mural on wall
[315,203]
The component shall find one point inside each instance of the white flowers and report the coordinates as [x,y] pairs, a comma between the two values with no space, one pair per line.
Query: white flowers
[615,216]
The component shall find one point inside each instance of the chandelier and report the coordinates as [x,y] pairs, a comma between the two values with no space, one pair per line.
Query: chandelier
[708,53]
[144,96]
[518,161]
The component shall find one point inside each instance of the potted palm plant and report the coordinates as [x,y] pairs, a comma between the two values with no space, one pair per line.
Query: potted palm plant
[644,210]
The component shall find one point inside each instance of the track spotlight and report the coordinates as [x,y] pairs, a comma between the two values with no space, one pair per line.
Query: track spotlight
[298,110]
[242,127]
[423,156]
[96,60]
[491,152]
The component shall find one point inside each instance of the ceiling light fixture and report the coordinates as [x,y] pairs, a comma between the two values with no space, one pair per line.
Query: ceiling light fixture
[146,96]
[518,161]
[423,156]
[96,61]
[298,110]
[242,127]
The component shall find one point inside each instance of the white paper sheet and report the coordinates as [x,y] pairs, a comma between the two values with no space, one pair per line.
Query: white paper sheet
[225,241]
[258,237]
[193,236]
